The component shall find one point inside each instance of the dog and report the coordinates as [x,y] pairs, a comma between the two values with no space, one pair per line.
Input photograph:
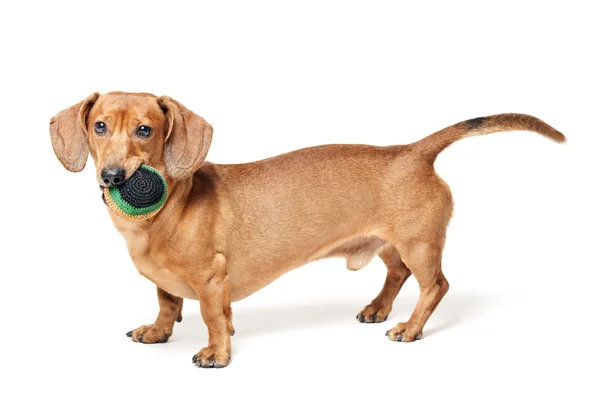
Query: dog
[227,231]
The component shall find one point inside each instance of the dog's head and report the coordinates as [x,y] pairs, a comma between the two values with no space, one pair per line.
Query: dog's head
[124,130]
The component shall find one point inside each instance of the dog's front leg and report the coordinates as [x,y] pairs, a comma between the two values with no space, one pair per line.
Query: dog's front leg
[212,287]
[160,331]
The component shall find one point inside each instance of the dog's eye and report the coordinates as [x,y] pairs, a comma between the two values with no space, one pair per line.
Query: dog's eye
[100,128]
[144,132]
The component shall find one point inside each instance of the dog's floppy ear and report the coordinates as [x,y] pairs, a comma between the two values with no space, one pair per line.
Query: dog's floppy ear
[187,141]
[69,136]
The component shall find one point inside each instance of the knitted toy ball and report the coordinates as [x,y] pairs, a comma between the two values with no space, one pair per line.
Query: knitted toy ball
[139,197]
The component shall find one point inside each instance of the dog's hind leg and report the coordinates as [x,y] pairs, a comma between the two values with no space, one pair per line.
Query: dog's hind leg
[397,273]
[424,260]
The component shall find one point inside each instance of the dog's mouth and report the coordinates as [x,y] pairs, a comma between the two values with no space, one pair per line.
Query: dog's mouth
[103,197]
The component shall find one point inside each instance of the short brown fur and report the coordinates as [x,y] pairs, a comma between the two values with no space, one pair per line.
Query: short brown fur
[227,231]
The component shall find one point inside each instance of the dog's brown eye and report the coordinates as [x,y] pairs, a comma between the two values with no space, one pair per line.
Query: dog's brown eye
[144,131]
[100,128]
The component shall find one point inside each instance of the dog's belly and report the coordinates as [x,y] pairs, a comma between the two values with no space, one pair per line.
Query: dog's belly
[358,252]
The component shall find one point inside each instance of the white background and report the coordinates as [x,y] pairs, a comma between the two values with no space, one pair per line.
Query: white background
[519,320]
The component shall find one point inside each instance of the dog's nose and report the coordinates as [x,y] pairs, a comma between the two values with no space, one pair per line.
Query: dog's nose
[112,176]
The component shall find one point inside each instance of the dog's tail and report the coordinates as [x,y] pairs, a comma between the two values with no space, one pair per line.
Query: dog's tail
[433,144]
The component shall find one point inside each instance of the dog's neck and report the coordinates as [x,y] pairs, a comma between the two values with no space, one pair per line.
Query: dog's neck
[138,234]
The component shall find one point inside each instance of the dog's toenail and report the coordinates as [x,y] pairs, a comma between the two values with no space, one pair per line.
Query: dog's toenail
[179,319]
[387,333]
[374,318]
[129,334]
[385,319]
[233,332]
[140,338]
[221,365]
[362,318]
[164,339]
[399,338]
[195,358]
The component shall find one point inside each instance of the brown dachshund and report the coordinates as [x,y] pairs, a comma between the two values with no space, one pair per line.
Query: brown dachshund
[227,231]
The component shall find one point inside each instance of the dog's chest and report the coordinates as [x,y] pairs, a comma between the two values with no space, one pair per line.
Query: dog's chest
[155,264]
[163,277]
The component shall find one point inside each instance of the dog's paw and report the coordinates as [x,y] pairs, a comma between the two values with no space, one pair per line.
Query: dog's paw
[149,334]
[403,333]
[373,313]
[211,357]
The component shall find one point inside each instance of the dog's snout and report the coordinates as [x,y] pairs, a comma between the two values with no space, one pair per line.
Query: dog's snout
[112,176]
